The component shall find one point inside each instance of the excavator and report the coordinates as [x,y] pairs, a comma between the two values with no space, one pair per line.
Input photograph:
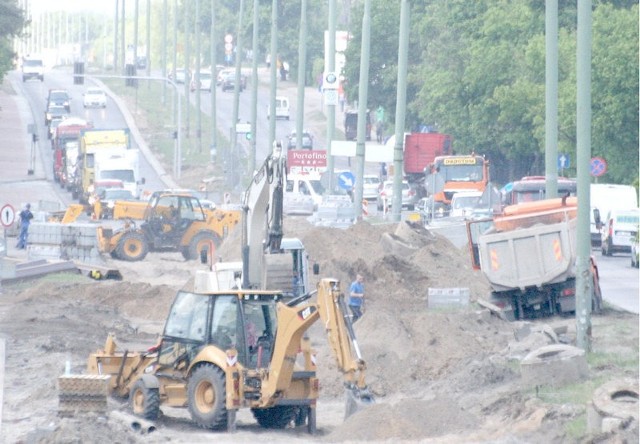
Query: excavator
[230,342]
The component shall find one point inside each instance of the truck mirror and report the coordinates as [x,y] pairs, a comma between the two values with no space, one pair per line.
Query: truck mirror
[596,218]
[316,269]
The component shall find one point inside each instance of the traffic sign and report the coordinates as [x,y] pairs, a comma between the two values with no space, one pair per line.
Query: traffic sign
[331,96]
[346,180]
[7,215]
[330,81]
[243,128]
[597,166]
[564,161]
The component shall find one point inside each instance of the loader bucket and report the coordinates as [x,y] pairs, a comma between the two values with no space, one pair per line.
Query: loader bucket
[356,400]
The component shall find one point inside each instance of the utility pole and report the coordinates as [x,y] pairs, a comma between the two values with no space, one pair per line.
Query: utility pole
[187,66]
[214,77]
[197,80]
[164,49]
[273,78]
[123,42]
[115,39]
[331,109]
[148,51]
[254,88]
[363,93]
[584,282]
[302,63]
[551,99]
[236,93]
[401,100]
[136,15]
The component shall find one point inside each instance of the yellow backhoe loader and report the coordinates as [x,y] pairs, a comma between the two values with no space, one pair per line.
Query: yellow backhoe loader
[170,221]
[223,350]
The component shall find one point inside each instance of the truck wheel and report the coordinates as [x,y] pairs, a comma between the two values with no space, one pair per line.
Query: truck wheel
[144,401]
[200,242]
[275,417]
[206,396]
[132,247]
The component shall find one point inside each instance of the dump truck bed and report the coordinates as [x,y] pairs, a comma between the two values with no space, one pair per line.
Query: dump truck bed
[533,256]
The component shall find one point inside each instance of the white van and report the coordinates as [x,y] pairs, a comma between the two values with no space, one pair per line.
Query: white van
[604,198]
[282,108]
[306,185]
[619,228]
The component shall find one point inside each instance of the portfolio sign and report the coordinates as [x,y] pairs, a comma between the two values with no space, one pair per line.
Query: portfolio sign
[307,161]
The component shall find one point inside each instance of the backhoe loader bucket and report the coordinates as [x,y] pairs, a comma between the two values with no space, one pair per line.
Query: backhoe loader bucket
[356,400]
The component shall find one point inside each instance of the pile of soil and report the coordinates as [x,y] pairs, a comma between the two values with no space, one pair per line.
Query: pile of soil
[443,375]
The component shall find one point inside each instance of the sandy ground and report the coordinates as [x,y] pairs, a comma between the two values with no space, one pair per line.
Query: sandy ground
[443,375]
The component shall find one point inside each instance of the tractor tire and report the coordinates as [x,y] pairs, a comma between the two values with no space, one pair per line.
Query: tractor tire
[206,397]
[144,401]
[132,247]
[277,417]
[201,241]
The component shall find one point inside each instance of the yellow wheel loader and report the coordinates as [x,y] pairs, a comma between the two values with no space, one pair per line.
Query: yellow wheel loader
[223,350]
[169,222]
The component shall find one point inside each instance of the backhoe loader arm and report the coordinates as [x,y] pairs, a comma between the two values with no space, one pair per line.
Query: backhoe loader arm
[339,329]
[294,321]
[263,213]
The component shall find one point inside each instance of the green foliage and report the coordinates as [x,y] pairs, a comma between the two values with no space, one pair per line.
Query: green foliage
[477,71]
[12,22]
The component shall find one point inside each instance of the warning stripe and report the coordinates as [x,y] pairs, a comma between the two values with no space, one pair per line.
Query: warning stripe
[493,256]
[365,207]
[557,250]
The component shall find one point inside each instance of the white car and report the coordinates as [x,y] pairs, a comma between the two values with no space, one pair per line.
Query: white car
[94,98]
[463,203]
[370,186]
[206,79]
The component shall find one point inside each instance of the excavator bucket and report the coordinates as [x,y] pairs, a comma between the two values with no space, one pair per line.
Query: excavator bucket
[356,400]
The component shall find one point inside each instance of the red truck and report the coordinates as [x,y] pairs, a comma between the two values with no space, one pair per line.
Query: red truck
[420,150]
[65,145]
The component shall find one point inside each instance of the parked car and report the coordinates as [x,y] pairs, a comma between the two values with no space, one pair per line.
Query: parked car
[59,97]
[94,98]
[206,79]
[619,228]
[370,186]
[385,196]
[307,140]
[54,111]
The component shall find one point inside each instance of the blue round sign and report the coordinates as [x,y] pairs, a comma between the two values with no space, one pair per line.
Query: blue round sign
[346,180]
[597,166]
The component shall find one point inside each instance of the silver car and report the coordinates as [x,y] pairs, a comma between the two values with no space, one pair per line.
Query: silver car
[385,196]
[370,186]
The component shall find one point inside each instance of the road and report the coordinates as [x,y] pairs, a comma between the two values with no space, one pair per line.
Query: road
[107,118]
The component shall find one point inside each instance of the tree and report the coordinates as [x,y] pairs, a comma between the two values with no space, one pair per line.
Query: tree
[12,22]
